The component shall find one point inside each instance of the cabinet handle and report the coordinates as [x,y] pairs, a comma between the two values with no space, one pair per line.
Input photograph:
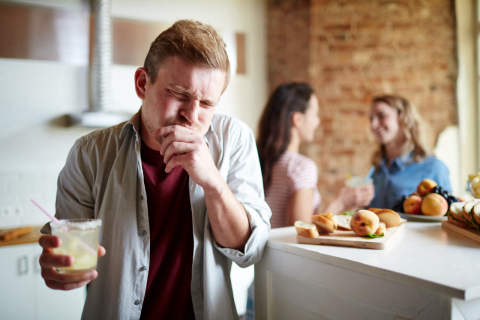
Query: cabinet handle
[36,263]
[23,265]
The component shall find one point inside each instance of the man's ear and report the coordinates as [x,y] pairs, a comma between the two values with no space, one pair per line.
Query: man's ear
[297,119]
[141,78]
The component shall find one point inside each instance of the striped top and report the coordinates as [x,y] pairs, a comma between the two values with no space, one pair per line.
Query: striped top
[291,173]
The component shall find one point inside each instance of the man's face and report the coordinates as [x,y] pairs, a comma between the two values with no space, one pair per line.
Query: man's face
[184,94]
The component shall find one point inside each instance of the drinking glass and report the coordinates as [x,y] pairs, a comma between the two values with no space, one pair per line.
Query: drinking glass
[79,240]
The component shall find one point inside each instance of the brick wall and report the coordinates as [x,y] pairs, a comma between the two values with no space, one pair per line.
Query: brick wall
[350,51]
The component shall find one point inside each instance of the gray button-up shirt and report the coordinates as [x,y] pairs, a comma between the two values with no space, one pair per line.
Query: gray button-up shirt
[103,178]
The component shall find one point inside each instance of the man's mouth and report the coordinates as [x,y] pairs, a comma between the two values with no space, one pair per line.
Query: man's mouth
[179,122]
[182,122]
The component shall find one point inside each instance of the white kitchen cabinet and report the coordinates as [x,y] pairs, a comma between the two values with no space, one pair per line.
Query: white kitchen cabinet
[23,293]
[429,273]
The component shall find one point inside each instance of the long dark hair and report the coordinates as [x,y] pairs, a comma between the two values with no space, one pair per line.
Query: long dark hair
[274,129]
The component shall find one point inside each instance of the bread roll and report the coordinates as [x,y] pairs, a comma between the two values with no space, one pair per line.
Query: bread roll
[456,210]
[467,208]
[476,213]
[379,211]
[306,229]
[457,223]
[389,217]
[324,223]
[343,221]
[382,228]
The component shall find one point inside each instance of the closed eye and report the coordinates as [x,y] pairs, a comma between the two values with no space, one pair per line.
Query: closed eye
[206,104]
[178,94]
[185,96]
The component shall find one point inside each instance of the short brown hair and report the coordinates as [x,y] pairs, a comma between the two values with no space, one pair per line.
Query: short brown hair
[409,122]
[192,40]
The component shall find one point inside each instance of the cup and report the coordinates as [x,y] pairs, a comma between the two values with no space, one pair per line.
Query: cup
[358,181]
[79,240]
[474,187]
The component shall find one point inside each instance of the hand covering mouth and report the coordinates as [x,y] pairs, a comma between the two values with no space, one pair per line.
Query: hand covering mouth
[179,122]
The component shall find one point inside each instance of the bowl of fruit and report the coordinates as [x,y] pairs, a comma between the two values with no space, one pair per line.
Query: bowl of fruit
[430,202]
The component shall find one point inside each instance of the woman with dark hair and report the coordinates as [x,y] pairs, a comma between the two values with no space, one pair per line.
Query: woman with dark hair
[401,160]
[290,179]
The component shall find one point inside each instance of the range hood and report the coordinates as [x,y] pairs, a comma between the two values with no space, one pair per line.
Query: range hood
[100,74]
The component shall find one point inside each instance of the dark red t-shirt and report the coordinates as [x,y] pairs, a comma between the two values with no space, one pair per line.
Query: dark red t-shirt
[171,240]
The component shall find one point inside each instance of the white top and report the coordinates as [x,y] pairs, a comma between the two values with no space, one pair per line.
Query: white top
[425,256]
[291,173]
[103,179]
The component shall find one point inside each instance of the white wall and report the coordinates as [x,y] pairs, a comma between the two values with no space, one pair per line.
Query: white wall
[467,89]
[33,93]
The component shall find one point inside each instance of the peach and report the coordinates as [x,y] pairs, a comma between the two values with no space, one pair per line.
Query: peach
[382,228]
[413,204]
[434,205]
[425,186]
[364,222]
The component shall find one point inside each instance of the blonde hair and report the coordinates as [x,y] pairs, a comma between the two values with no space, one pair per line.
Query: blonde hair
[408,120]
[193,41]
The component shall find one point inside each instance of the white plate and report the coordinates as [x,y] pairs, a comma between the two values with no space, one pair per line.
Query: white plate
[421,217]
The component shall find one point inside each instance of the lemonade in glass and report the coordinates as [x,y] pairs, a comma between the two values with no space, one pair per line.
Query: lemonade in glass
[79,240]
[358,181]
[474,185]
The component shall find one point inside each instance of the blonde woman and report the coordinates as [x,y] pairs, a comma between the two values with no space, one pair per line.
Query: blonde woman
[401,160]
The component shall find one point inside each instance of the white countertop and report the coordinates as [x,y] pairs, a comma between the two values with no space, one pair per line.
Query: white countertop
[425,256]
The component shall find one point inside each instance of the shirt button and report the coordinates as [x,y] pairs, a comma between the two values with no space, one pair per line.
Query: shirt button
[141,197]
[144,232]
[143,268]
[137,302]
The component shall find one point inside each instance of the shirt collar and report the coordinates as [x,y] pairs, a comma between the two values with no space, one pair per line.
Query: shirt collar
[400,162]
[133,123]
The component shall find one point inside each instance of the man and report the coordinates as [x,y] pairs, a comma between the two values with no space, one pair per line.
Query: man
[178,189]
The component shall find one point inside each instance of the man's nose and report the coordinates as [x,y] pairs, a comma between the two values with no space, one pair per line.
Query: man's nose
[190,111]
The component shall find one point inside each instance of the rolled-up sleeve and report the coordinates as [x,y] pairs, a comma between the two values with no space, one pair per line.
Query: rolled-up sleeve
[245,182]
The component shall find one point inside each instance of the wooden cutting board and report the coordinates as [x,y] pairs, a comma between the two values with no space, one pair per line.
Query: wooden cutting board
[350,239]
[30,237]
[469,233]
